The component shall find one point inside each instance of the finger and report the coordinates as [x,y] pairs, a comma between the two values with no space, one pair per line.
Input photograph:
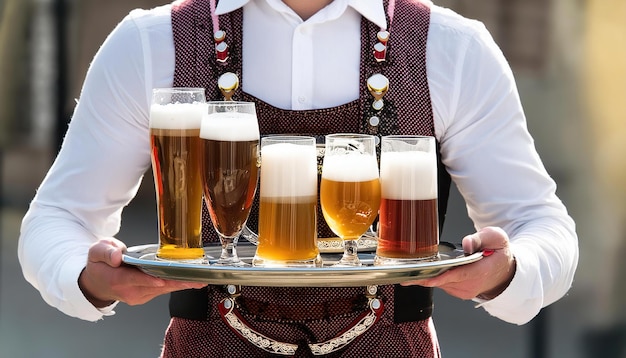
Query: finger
[133,277]
[488,238]
[189,285]
[101,252]
[141,296]
[471,243]
[108,251]
[428,282]
[115,256]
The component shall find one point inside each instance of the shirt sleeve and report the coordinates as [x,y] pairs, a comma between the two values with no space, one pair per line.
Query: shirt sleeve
[492,159]
[96,173]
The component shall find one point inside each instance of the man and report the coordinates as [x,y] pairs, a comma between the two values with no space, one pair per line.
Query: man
[305,65]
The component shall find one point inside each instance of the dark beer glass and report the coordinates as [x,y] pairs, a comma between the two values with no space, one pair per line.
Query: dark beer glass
[230,169]
[175,116]
[408,223]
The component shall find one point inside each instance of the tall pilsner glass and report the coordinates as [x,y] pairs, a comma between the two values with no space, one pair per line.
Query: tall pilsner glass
[175,116]
[350,189]
[230,170]
[288,203]
[409,227]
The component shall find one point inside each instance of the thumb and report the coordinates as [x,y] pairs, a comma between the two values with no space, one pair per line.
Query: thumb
[108,252]
[488,238]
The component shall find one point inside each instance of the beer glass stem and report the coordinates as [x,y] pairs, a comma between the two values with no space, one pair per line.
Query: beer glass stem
[350,254]
[229,256]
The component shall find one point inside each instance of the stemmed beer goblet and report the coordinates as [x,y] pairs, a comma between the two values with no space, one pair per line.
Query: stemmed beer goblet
[230,170]
[350,189]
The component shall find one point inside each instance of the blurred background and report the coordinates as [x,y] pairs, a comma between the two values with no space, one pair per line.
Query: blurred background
[569,58]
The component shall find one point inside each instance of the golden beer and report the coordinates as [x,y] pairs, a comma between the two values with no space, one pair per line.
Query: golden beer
[176,171]
[287,227]
[288,203]
[350,207]
[175,149]
[350,190]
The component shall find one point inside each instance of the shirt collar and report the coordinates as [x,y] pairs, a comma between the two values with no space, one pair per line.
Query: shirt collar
[226,6]
[373,10]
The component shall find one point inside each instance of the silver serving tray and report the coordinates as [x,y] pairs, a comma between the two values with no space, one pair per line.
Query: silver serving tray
[327,276]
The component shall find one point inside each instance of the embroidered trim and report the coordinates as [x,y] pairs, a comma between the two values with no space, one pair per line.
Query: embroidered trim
[360,325]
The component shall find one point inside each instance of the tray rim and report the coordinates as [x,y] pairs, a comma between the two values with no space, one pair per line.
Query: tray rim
[326,276]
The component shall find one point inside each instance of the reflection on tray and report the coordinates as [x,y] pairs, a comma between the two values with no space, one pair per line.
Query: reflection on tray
[366,243]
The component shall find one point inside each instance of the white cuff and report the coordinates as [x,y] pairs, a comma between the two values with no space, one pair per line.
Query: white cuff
[75,304]
[521,301]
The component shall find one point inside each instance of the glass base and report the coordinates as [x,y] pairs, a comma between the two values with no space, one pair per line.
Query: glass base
[350,256]
[261,262]
[391,261]
[230,261]
[348,262]
[199,260]
[176,253]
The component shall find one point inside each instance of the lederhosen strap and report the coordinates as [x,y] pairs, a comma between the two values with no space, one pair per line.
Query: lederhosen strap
[407,110]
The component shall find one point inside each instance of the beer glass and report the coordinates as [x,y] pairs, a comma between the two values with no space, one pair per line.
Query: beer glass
[408,223]
[288,203]
[175,116]
[350,189]
[230,166]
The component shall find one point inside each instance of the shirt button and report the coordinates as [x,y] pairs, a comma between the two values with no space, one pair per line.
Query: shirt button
[301,99]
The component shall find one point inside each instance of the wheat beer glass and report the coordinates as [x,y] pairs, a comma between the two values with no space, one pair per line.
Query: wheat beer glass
[175,116]
[230,170]
[350,189]
[408,223]
[288,203]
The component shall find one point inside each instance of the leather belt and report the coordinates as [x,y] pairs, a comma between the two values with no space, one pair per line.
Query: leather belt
[411,303]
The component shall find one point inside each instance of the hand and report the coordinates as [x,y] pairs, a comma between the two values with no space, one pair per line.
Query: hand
[105,280]
[485,278]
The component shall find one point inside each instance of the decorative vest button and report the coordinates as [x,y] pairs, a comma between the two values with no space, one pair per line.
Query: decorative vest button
[219,36]
[228,84]
[380,52]
[378,85]
[374,121]
[221,51]
[383,37]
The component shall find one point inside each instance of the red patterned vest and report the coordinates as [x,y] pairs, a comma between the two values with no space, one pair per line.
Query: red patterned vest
[309,315]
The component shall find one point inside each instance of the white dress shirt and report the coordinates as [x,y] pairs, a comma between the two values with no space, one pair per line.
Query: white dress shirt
[303,65]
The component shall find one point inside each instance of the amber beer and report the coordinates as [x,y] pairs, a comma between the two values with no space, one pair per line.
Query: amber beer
[175,154]
[230,147]
[288,203]
[408,224]
[350,193]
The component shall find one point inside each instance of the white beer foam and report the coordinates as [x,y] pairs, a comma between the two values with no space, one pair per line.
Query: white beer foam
[408,175]
[353,167]
[288,170]
[230,126]
[177,115]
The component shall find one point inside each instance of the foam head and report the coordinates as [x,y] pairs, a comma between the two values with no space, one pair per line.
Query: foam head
[177,115]
[408,175]
[288,170]
[352,167]
[230,126]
